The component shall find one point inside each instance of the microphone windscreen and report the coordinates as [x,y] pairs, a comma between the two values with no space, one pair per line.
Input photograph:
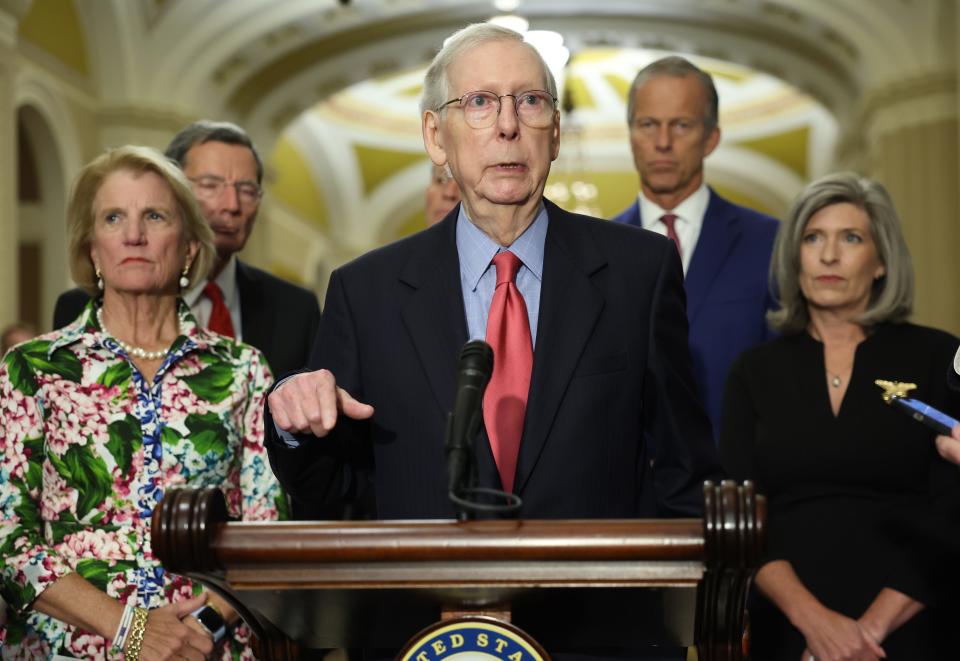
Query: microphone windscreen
[477,355]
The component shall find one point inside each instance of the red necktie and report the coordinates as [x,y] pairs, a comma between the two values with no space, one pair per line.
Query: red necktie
[220,321]
[670,220]
[505,401]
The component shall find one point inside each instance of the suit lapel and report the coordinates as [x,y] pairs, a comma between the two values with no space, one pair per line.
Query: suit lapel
[718,235]
[434,315]
[632,215]
[254,309]
[569,307]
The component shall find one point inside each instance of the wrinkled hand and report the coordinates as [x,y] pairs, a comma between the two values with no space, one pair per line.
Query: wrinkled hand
[192,622]
[831,636]
[311,402]
[167,637]
[949,446]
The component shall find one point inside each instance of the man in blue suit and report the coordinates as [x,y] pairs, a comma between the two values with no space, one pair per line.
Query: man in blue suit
[672,112]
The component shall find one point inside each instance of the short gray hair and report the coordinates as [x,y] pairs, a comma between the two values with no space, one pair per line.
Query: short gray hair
[436,86]
[207,130]
[677,67]
[892,296]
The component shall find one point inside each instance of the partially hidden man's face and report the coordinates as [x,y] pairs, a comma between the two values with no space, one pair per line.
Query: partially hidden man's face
[668,137]
[229,212]
[506,163]
[442,195]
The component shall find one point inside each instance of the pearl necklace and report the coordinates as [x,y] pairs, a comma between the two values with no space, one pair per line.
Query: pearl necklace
[130,349]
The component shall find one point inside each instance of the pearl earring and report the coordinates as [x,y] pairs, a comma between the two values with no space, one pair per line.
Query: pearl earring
[99,280]
[184,280]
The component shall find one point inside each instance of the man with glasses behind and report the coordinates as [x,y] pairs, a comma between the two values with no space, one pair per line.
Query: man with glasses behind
[586,319]
[441,195]
[273,315]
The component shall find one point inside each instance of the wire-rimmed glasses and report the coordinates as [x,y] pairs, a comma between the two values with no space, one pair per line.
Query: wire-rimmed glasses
[535,108]
[210,186]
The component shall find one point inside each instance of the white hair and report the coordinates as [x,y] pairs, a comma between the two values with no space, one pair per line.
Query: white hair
[436,87]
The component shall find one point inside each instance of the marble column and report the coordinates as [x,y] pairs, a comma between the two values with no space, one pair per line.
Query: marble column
[911,134]
[10,14]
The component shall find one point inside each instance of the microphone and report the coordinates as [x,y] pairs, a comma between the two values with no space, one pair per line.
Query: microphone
[463,424]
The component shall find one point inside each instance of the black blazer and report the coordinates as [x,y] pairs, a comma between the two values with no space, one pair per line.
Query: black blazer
[279,318]
[611,366]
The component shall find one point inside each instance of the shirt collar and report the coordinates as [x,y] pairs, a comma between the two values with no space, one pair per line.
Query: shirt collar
[692,209]
[477,250]
[227,281]
[86,330]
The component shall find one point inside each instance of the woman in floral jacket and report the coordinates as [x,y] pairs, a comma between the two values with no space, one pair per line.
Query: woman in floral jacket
[101,418]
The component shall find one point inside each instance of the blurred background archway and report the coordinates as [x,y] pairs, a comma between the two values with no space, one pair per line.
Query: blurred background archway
[329,92]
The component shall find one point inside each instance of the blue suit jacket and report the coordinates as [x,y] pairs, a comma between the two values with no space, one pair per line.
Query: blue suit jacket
[728,291]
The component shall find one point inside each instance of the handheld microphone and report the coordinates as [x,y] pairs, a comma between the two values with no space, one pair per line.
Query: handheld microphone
[473,374]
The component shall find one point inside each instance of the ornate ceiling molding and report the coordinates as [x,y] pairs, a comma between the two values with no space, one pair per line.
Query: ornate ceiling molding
[807,55]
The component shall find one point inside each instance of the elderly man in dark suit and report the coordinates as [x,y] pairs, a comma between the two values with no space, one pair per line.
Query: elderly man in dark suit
[275,316]
[586,317]
[672,112]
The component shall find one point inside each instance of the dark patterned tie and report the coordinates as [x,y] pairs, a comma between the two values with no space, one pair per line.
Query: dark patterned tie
[670,220]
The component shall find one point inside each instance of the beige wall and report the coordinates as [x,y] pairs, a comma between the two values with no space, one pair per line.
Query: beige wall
[908,136]
[8,180]
[918,164]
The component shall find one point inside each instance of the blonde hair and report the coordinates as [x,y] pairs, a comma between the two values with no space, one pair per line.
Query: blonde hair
[892,296]
[137,160]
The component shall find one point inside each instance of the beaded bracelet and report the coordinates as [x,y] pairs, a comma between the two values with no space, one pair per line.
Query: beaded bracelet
[135,639]
[120,638]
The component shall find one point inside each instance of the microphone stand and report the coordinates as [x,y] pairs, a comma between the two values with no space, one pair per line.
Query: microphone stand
[463,426]
[461,469]
[462,472]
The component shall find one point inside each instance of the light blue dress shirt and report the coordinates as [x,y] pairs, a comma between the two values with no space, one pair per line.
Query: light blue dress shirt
[478,278]
[478,275]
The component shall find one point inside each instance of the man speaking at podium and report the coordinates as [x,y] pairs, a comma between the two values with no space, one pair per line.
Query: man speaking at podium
[586,318]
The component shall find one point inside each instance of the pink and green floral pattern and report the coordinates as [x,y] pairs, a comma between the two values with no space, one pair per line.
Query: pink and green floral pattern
[87,449]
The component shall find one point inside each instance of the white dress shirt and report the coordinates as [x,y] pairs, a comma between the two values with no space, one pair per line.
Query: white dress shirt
[201,306]
[689,220]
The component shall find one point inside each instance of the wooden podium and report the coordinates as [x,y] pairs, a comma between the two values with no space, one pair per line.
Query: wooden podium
[589,583]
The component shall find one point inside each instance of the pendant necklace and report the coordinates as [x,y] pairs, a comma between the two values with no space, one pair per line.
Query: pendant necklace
[836,380]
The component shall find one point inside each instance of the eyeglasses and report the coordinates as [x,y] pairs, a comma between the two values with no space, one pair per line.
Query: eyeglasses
[535,108]
[210,186]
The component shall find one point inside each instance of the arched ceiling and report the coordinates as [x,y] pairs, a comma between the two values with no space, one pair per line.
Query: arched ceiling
[267,64]
[303,75]
[264,62]
[362,149]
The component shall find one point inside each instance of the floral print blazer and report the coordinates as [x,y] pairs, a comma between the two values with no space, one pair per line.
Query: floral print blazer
[87,449]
